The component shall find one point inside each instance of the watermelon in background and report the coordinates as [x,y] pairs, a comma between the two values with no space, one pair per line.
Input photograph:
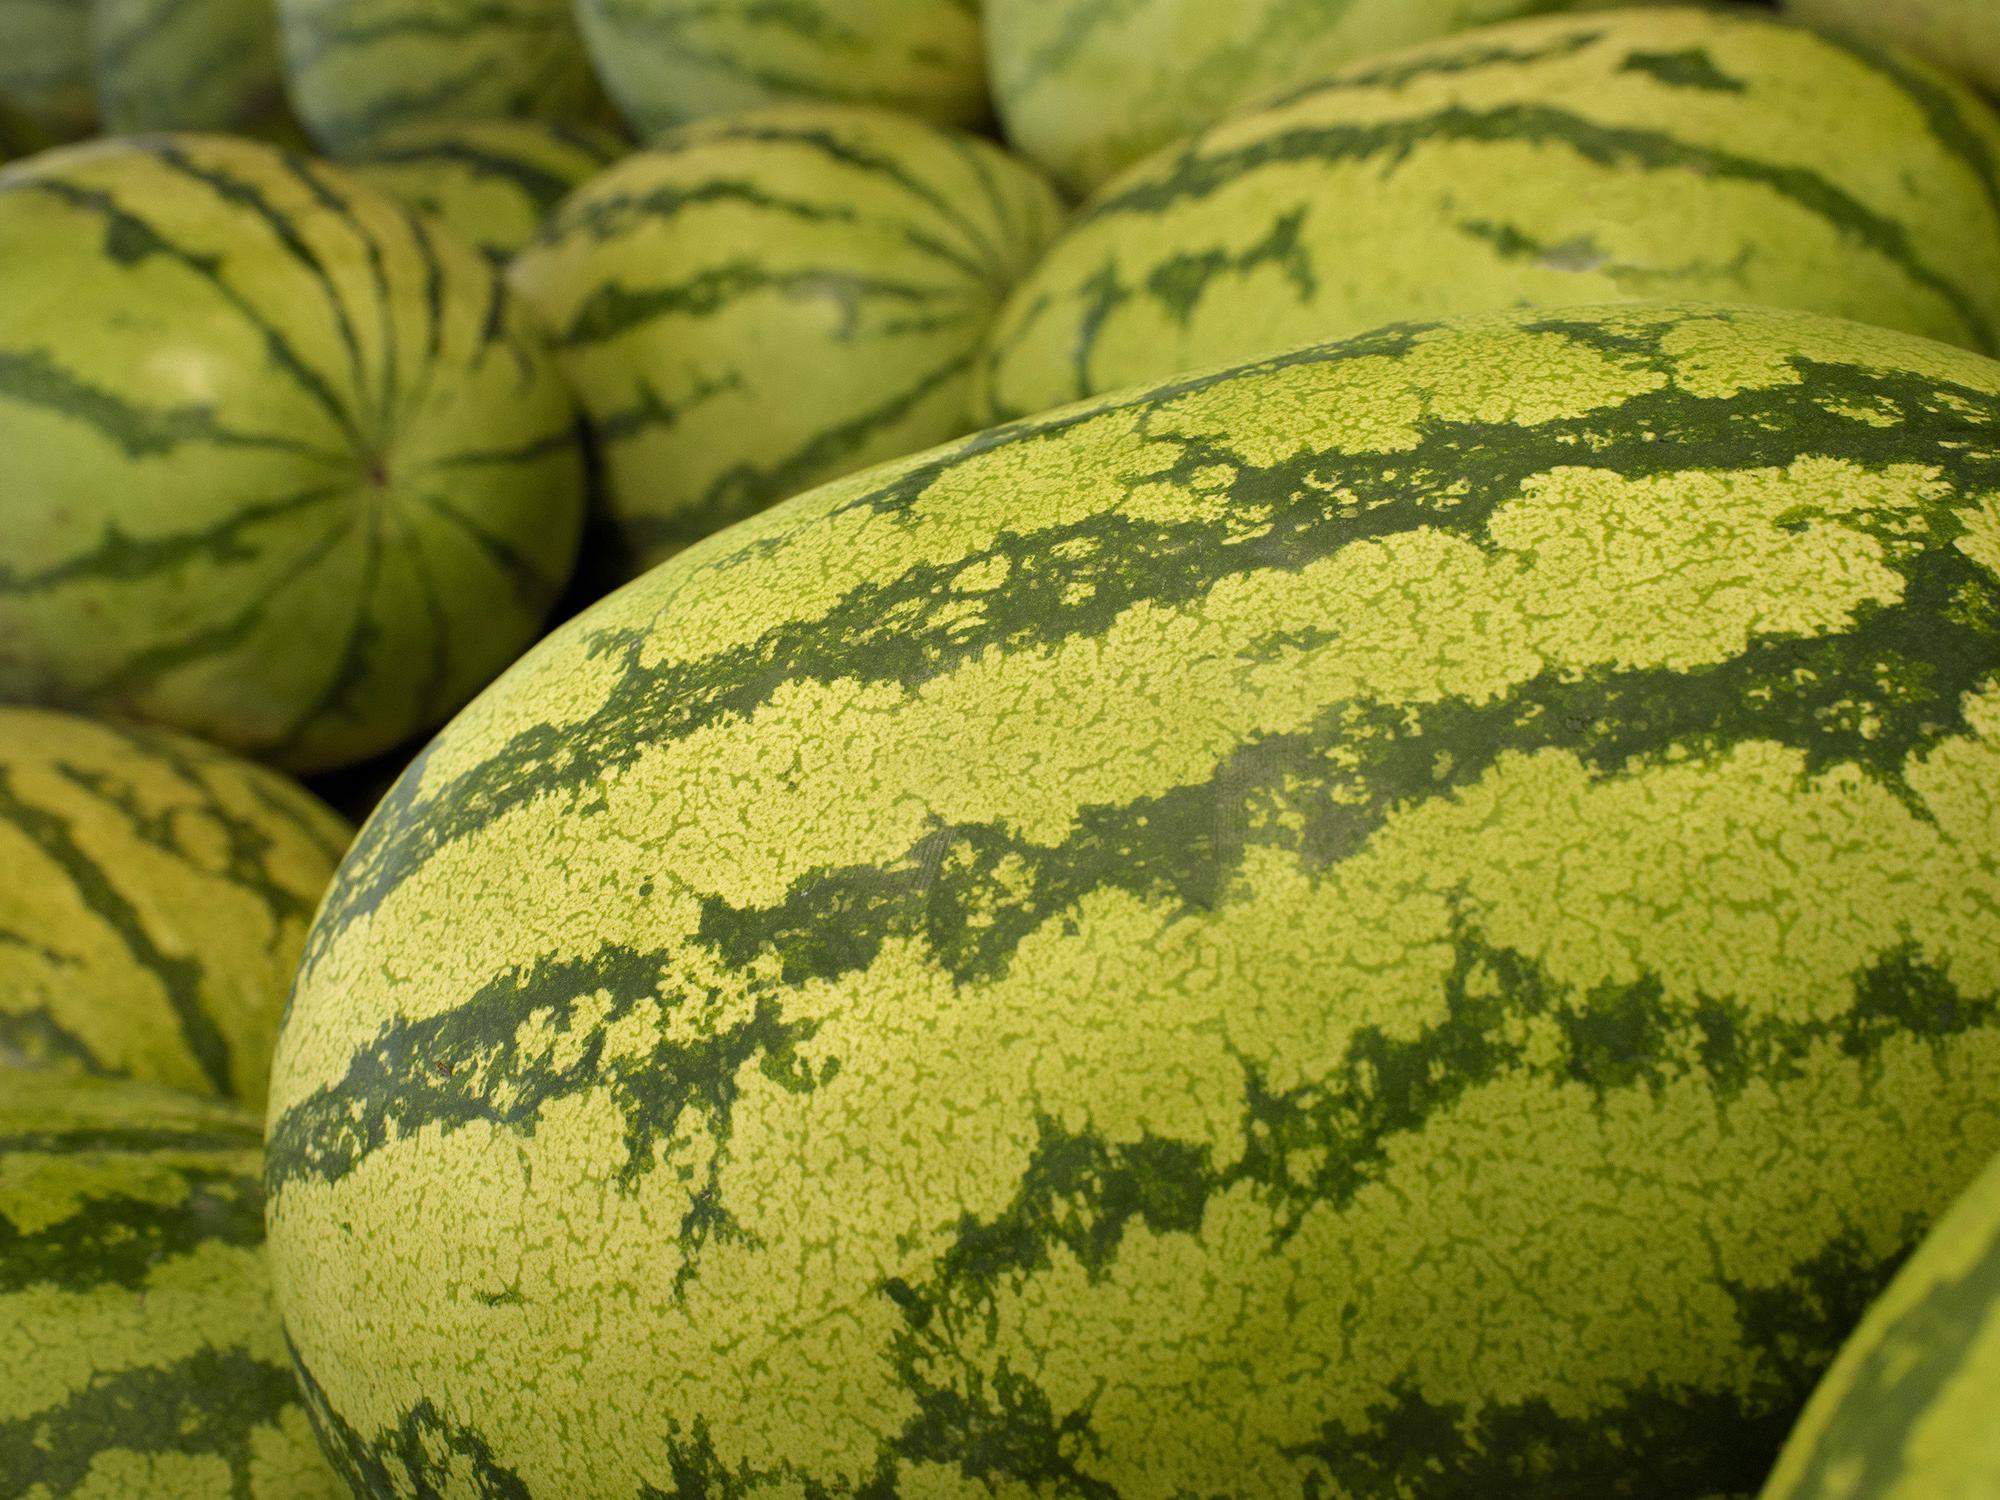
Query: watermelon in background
[284,467]
[189,65]
[1087,87]
[768,300]
[1648,153]
[1962,36]
[1907,1411]
[144,1360]
[492,181]
[666,62]
[19,136]
[45,64]
[357,69]
[1420,918]
[156,899]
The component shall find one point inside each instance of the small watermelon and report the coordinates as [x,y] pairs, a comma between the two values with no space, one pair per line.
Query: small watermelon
[1417,919]
[494,182]
[143,1357]
[666,62]
[1962,36]
[1633,154]
[768,300]
[283,466]
[1911,1409]
[357,69]
[156,897]
[45,65]
[189,65]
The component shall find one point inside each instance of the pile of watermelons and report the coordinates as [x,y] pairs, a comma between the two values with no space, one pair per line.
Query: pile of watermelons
[1104,750]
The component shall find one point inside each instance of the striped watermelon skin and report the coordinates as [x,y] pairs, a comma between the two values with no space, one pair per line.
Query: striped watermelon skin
[1960,36]
[767,301]
[493,182]
[1634,154]
[666,62]
[1418,918]
[144,1355]
[189,65]
[156,901]
[357,69]
[285,467]
[45,65]
[1906,1412]
[1087,87]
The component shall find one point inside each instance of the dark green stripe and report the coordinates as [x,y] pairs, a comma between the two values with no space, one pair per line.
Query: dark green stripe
[197,1135]
[349,672]
[539,184]
[115,1240]
[534,590]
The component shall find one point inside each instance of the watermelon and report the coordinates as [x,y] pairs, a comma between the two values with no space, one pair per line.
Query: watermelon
[766,301]
[156,899]
[1907,1411]
[1419,918]
[45,64]
[1962,36]
[356,69]
[189,65]
[1636,154]
[492,181]
[19,135]
[1087,87]
[144,1357]
[666,62]
[284,466]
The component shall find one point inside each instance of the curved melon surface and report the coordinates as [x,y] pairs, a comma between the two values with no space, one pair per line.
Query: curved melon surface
[667,62]
[45,64]
[155,903]
[1634,154]
[767,301]
[493,182]
[1961,36]
[357,69]
[1421,918]
[284,466]
[188,65]
[144,1356]
[1087,87]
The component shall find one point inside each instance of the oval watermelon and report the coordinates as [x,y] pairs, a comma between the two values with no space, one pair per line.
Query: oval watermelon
[156,898]
[1907,1411]
[45,64]
[493,182]
[1659,152]
[283,466]
[1419,918]
[1962,36]
[667,62]
[769,300]
[189,65]
[144,1358]
[356,69]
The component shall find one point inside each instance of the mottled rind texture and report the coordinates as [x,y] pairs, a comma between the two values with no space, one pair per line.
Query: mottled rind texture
[156,897]
[493,182]
[1632,154]
[1908,1411]
[1962,36]
[356,69]
[764,302]
[1086,87]
[1420,919]
[284,466]
[45,64]
[666,62]
[144,1360]
[188,65]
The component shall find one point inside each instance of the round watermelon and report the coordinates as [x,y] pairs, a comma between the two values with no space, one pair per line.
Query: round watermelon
[765,301]
[1634,154]
[356,69]
[188,65]
[1907,1411]
[494,182]
[144,1360]
[666,62]
[1962,36]
[283,465]
[1419,918]
[45,64]
[156,899]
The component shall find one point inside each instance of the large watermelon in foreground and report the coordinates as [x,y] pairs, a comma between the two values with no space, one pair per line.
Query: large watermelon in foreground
[142,1356]
[1419,918]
